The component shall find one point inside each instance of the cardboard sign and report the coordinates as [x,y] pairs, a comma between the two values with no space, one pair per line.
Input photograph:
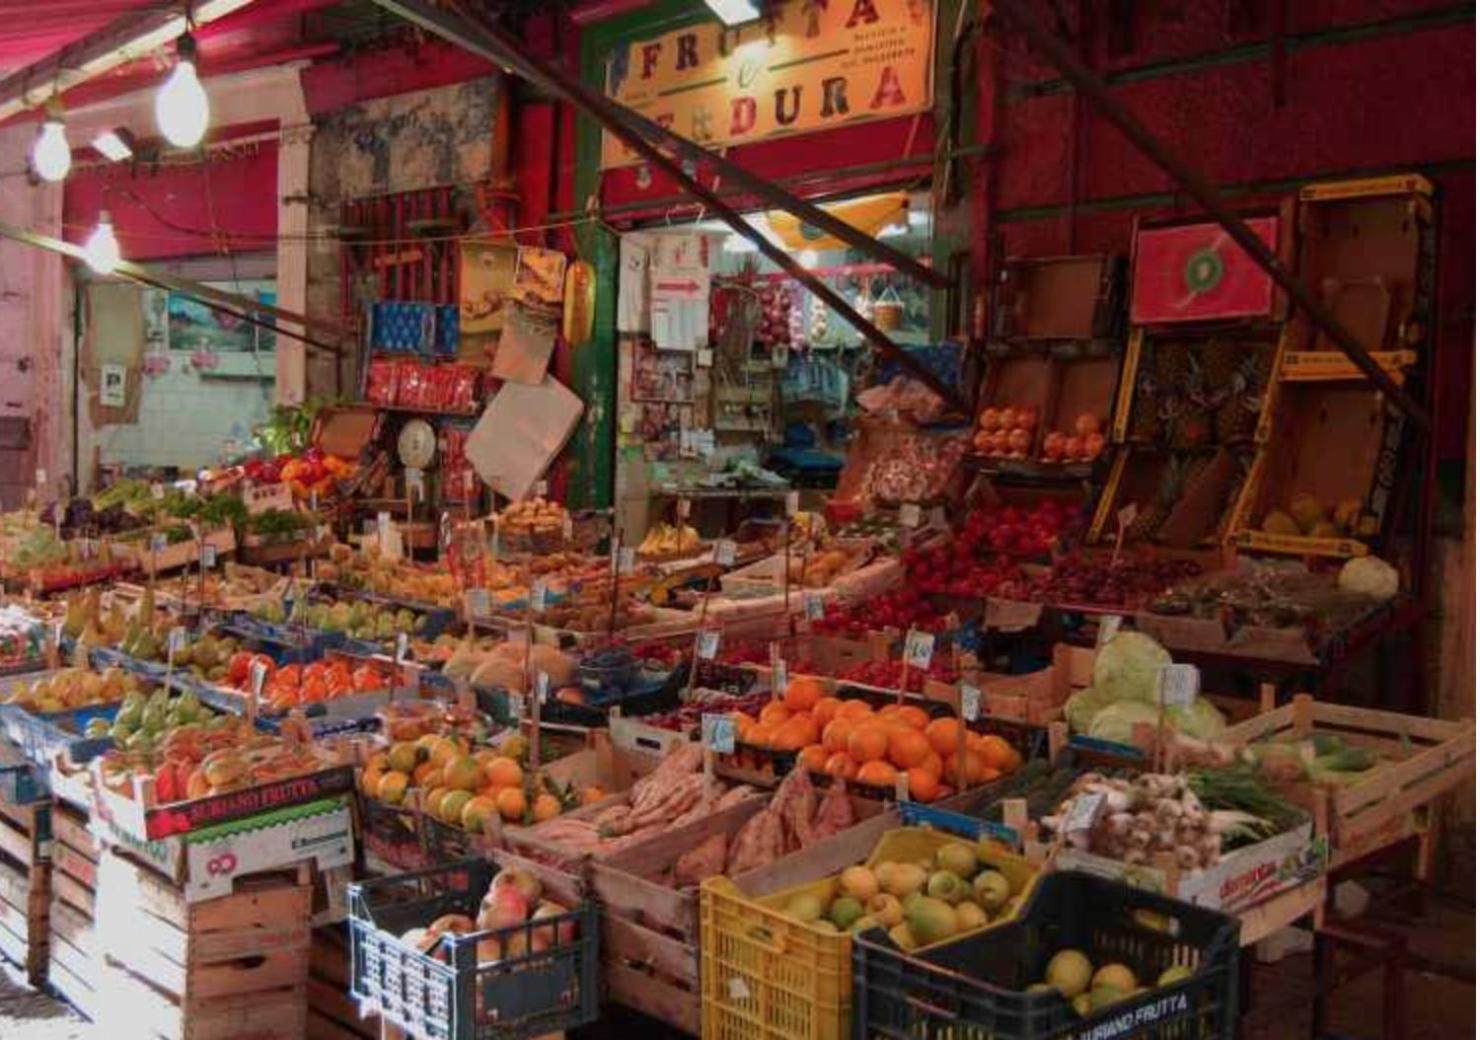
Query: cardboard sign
[1178,684]
[1084,812]
[919,648]
[217,857]
[265,497]
[719,733]
[156,491]
[516,706]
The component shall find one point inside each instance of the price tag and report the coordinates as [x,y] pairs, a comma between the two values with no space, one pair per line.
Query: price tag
[724,552]
[793,503]
[971,702]
[177,640]
[705,358]
[537,595]
[626,560]
[567,527]
[493,543]
[909,514]
[542,686]
[1084,812]
[516,706]
[1126,515]
[1109,625]
[1178,684]
[158,542]
[56,634]
[40,477]
[258,677]
[812,606]
[478,602]
[707,644]
[682,508]
[919,647]
[541,488]
[208,555]
[718,732]
[401,646]
[382,527]
[313,500]
[156,491]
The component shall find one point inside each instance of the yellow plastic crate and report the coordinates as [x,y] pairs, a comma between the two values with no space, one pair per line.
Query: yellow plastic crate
[768,976]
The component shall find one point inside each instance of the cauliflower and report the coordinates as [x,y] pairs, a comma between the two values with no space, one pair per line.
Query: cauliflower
[1368,576]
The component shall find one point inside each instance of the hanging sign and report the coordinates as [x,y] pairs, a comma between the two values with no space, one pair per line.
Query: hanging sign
[805,68]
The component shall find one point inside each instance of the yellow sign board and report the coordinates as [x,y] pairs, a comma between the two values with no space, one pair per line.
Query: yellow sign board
[809,65]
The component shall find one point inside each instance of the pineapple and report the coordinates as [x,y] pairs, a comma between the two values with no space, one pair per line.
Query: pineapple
[1191,426]
[1151,515]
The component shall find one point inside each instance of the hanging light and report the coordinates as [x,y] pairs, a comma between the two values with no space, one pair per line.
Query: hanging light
[101,248]
[181,108]
[51,158]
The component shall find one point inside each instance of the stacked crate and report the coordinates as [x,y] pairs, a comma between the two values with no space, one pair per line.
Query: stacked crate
[332,1012]
[230,968]
[72,966]
[25,877]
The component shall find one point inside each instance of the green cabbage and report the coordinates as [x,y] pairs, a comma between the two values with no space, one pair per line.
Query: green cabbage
[1118,722]
[1082,707]
[1199,719]
[1128,667]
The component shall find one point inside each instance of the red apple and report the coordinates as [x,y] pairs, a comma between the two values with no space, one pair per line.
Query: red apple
[1086,424]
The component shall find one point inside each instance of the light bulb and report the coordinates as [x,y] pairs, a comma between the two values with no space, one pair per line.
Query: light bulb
[181,108]
[51,157]
[101,249]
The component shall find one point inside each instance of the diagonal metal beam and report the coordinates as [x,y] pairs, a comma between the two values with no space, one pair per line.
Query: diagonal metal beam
[1017,13]
[494,46]
[503,49]
[248,309]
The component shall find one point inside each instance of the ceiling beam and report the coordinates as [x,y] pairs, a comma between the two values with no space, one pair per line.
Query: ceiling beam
[127,38]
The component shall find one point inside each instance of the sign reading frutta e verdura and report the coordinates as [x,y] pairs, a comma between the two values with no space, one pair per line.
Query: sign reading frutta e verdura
[808,65]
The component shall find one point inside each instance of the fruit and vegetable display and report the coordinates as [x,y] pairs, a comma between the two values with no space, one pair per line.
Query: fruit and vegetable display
[195,761]
[509,665]
[273,526]
[918,902]
[291,685]
[1005,432]
[307,472]
[447,778]
[885,675]
[533,525]
[144,724]
[902,609]
[1307,515]
[1083,442]
[664,540]
[851,740]
[69,688]
[514,898]
[675,793]
[357,619]
[22,636]
[1195,394]
[1092,988]
[400,579]
[1102,582]
[1126,694]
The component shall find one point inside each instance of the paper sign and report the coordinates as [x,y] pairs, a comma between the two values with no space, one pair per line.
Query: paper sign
[971,702]
[537,595]
[1084,812]
[40,477]
[718,732]
[258,677]
[812,606]
[778,670]
[909,515]
[401,645]
[520,433]
[793,503]
[1178,684]
[382,524]
[626,560]
[56,633]
[705,358]
[265,497]
[156,491]
[542,686]
[919,647]
[708,644]
[478,602]
[208,555]
[724,552]
[516,706]
[113,392]
[1109,625]
[1126,515]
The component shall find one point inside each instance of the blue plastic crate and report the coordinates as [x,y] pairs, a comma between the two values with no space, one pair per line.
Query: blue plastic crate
[455,997]
[285,644]
[41,737]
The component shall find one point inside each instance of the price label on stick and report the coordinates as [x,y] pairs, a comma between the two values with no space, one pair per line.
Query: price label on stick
[778,670]
[401,646]
[567,527]
[682,509]
[56,634]
[1178,684]
[919,647]
[708,644]
[258,676]
[719,733]
[724,552]
[1084,812]
[793,503]
[208,556]
[971,702]
[541,488]
[909,514]
[156,491]
[177,640]
[478,602]
[626,560]
[538,595]
[516,706]
[542,686]
[158,542]
[813,606]
[1109,625]
[1126,515]
[40,477]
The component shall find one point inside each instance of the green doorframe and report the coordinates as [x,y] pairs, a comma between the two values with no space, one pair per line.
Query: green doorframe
[594,366]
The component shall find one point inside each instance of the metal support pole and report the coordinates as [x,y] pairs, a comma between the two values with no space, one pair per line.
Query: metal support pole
[497,47]
[1189,180]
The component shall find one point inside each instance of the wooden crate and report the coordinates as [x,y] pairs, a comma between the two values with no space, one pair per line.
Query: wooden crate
[1422,760]
[332,1012]
[231,968]
[72,965]
[25,879]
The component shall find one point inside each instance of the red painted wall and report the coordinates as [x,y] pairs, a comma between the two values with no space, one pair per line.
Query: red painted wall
[1370,86]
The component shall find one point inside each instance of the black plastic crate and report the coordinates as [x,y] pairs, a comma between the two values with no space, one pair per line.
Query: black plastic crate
[457,998]
[972,989]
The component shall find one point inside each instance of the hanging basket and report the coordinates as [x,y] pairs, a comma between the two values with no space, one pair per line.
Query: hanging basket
[889,310]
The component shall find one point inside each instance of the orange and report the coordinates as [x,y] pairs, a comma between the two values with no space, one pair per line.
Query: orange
[425,773]
[933,764]
[814,758]
[796,733]
[908,748]
[370,778]
[763,735]
[504,772]
[868,743]
[944,736]
[914,715]
[825,710]
[462,773]
[877,774]
[592,795]
[774,714]
[743,725]
[510,802]
[546,807]
[924,785]
[995,751]
[972,768]
[835,735]
[313,689]
[840,765]
[803,693]
[888,711]
[854,710]
[392,787]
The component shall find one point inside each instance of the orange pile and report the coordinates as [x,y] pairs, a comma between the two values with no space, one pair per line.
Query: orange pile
[295,684]
[849,739]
